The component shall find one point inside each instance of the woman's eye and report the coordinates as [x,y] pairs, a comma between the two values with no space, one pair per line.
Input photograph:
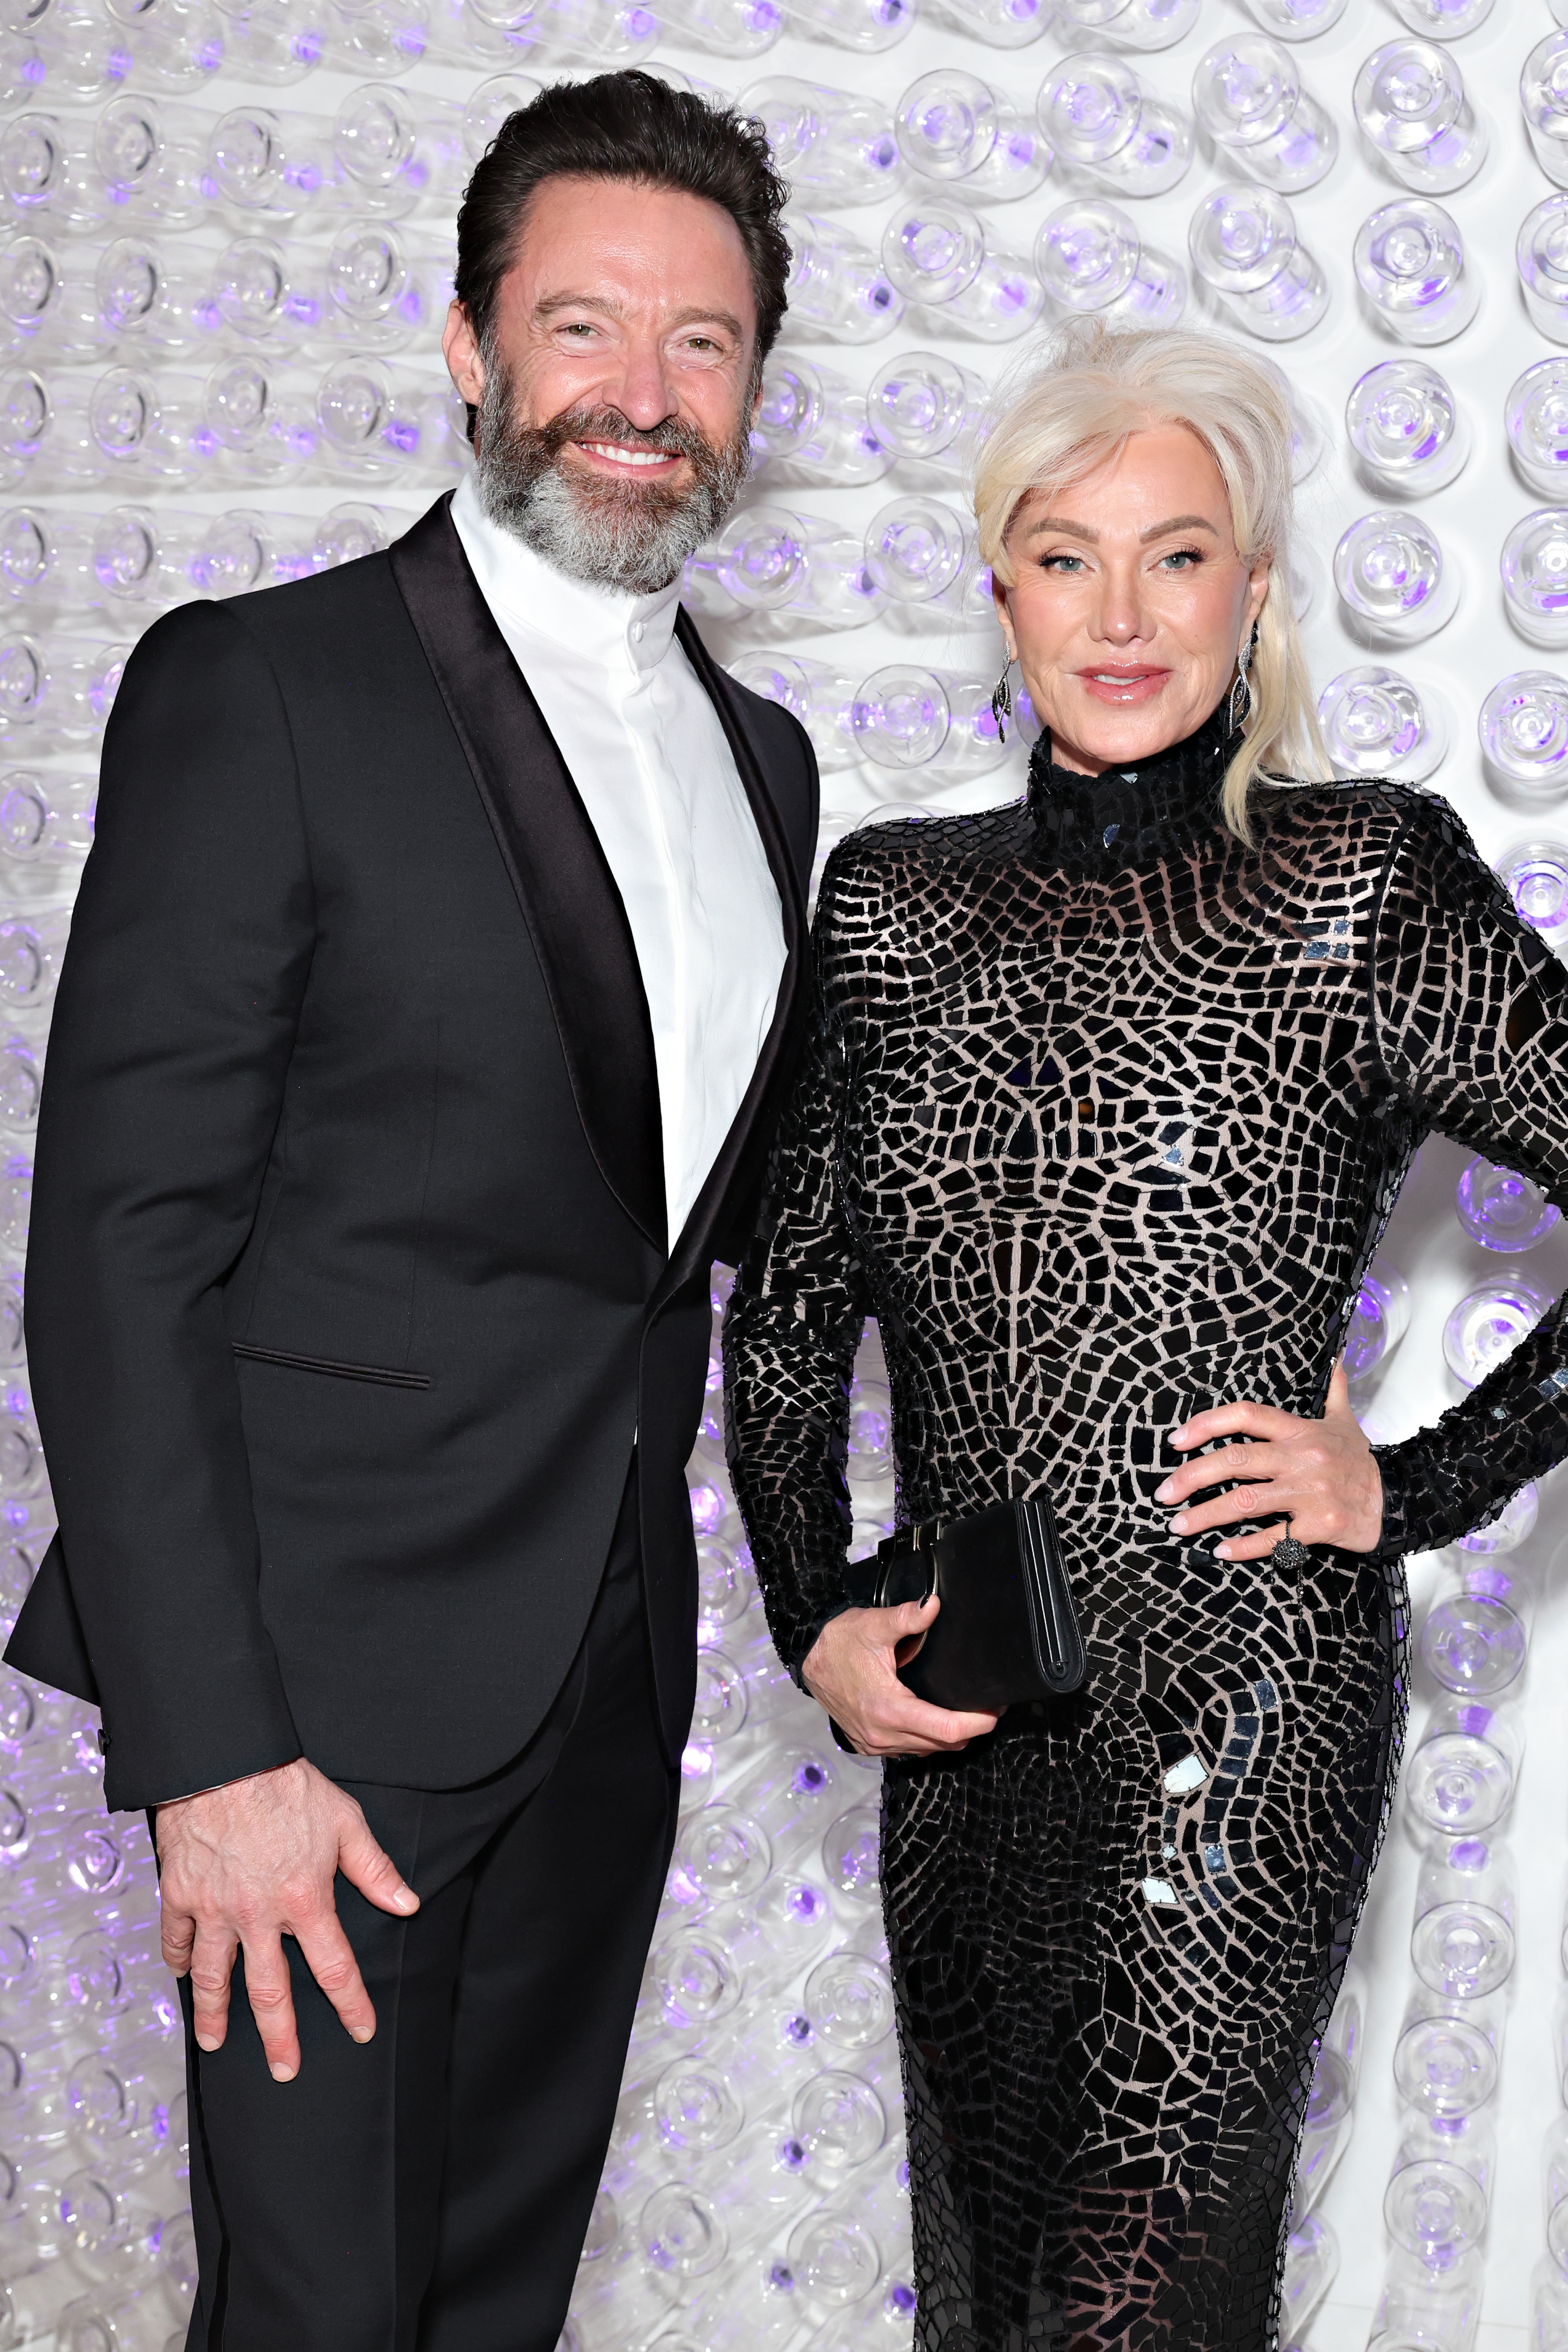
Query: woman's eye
[1182,558]
[1061,563]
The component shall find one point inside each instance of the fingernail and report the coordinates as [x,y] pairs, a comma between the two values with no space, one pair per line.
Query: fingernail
[1162,1493]
[1222,1551]
[361,2032]
[281,2073]
[203,2043]
[1179,1524]
[405,1899]
[1177,1434]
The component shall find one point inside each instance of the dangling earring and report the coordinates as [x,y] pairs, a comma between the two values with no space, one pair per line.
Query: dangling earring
[1002,700]
[1240,709]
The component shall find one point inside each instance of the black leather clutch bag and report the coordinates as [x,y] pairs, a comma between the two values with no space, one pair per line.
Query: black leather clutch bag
[1006,1629]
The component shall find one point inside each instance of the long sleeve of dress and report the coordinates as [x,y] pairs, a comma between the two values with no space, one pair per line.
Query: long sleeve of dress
[794,1323]
[1471,1017]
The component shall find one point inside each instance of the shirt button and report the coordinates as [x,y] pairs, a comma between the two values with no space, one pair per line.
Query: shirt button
[636,633]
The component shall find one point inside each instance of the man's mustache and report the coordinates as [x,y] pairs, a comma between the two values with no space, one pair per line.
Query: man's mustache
[673,437]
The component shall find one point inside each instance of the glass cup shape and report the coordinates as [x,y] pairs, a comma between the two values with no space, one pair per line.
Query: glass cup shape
[1440,2189]
[262,434]
[1247,95]
[919,550]
[1406,427]
[274,41]
[491,102]
[45,175]
[1375,722]
[1464,1939]
[694,1980]
[868,26]
[831,146]
[275,166]
[1533,565]
[1535,417]
[837,284]
[45,557]
[1487,1322]
[177,45]
[1473,1645]
[954,129]
[1446,2059]
[818,696]
[1409,99]
[682,2233]
[1554,2181]
[382,292]
[849,2000]
[1523,730]
[926,406]
[142,299]
[1096,113]
[769,557]
[1541,255]
[1393,583]
[812,427]
[1409,261]
[1501,1210]
[1133,24]
[1535,876]
[152,160]
[392,154]
[47,309]
[1461,1779]
[849,1852]
[937,253]
[907,716]
[841,2120]
[1543,95]
[1090,258]
[788,1795]
[1447,19]
[1380,1320]
[1245,247]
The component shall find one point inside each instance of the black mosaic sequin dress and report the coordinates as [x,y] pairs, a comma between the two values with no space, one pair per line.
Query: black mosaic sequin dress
[1101,1118]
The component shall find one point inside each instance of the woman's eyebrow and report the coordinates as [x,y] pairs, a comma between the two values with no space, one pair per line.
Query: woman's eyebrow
[1177,522]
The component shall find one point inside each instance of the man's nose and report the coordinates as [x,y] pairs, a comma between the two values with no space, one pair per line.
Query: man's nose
[642,389]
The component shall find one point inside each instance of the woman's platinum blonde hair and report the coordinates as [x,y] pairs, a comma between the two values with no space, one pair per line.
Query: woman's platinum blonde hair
[1074,409]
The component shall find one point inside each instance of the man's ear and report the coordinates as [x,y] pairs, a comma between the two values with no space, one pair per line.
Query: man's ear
[465,361]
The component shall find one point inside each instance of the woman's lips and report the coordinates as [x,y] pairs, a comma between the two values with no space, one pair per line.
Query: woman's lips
[1121,686]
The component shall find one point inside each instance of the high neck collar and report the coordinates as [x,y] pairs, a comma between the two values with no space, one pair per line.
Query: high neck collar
[1130,817]
[626,633]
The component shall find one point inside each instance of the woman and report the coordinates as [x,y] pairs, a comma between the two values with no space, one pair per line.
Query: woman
[1108,1097]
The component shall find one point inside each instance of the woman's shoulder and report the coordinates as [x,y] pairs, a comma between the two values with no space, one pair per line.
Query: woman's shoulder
[1361,821]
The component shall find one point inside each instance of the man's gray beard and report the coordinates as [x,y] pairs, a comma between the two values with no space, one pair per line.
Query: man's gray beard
[611,533]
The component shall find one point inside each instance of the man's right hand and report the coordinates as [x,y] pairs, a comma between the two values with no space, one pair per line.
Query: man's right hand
[243,1865]
[852,1668]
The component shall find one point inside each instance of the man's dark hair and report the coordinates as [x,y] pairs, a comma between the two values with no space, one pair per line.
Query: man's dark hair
[624,126]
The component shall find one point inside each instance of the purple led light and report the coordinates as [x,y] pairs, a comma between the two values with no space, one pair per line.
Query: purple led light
[403,439]
[1470,1854]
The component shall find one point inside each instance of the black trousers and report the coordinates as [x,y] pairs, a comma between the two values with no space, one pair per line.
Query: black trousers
[430,2190]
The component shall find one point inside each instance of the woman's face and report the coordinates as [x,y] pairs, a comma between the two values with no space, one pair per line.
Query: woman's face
[1129,603]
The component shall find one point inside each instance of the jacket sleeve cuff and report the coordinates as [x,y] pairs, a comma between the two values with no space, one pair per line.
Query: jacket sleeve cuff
[159,1751]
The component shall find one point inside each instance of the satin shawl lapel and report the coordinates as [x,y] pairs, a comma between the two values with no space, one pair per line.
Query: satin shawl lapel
[745,1146]
[568,896]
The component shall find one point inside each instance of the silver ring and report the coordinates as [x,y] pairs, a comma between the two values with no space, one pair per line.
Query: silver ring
[1290,1552]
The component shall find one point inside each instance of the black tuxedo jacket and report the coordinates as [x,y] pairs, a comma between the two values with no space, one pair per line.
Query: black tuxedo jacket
[348,1286]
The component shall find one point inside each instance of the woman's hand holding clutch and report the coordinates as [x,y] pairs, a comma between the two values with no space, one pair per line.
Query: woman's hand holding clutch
[852,1670]
[1322,1473]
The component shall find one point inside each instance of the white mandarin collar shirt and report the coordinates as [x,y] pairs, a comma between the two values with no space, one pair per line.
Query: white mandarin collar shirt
[656,773]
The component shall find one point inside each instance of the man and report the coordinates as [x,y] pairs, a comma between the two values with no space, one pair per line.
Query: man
[431,992]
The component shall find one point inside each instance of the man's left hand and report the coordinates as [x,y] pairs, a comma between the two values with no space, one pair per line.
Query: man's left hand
[1323,1472]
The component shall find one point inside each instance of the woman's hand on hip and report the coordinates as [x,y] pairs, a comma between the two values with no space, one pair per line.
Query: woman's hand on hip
[852,1668]
[1323,1472]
